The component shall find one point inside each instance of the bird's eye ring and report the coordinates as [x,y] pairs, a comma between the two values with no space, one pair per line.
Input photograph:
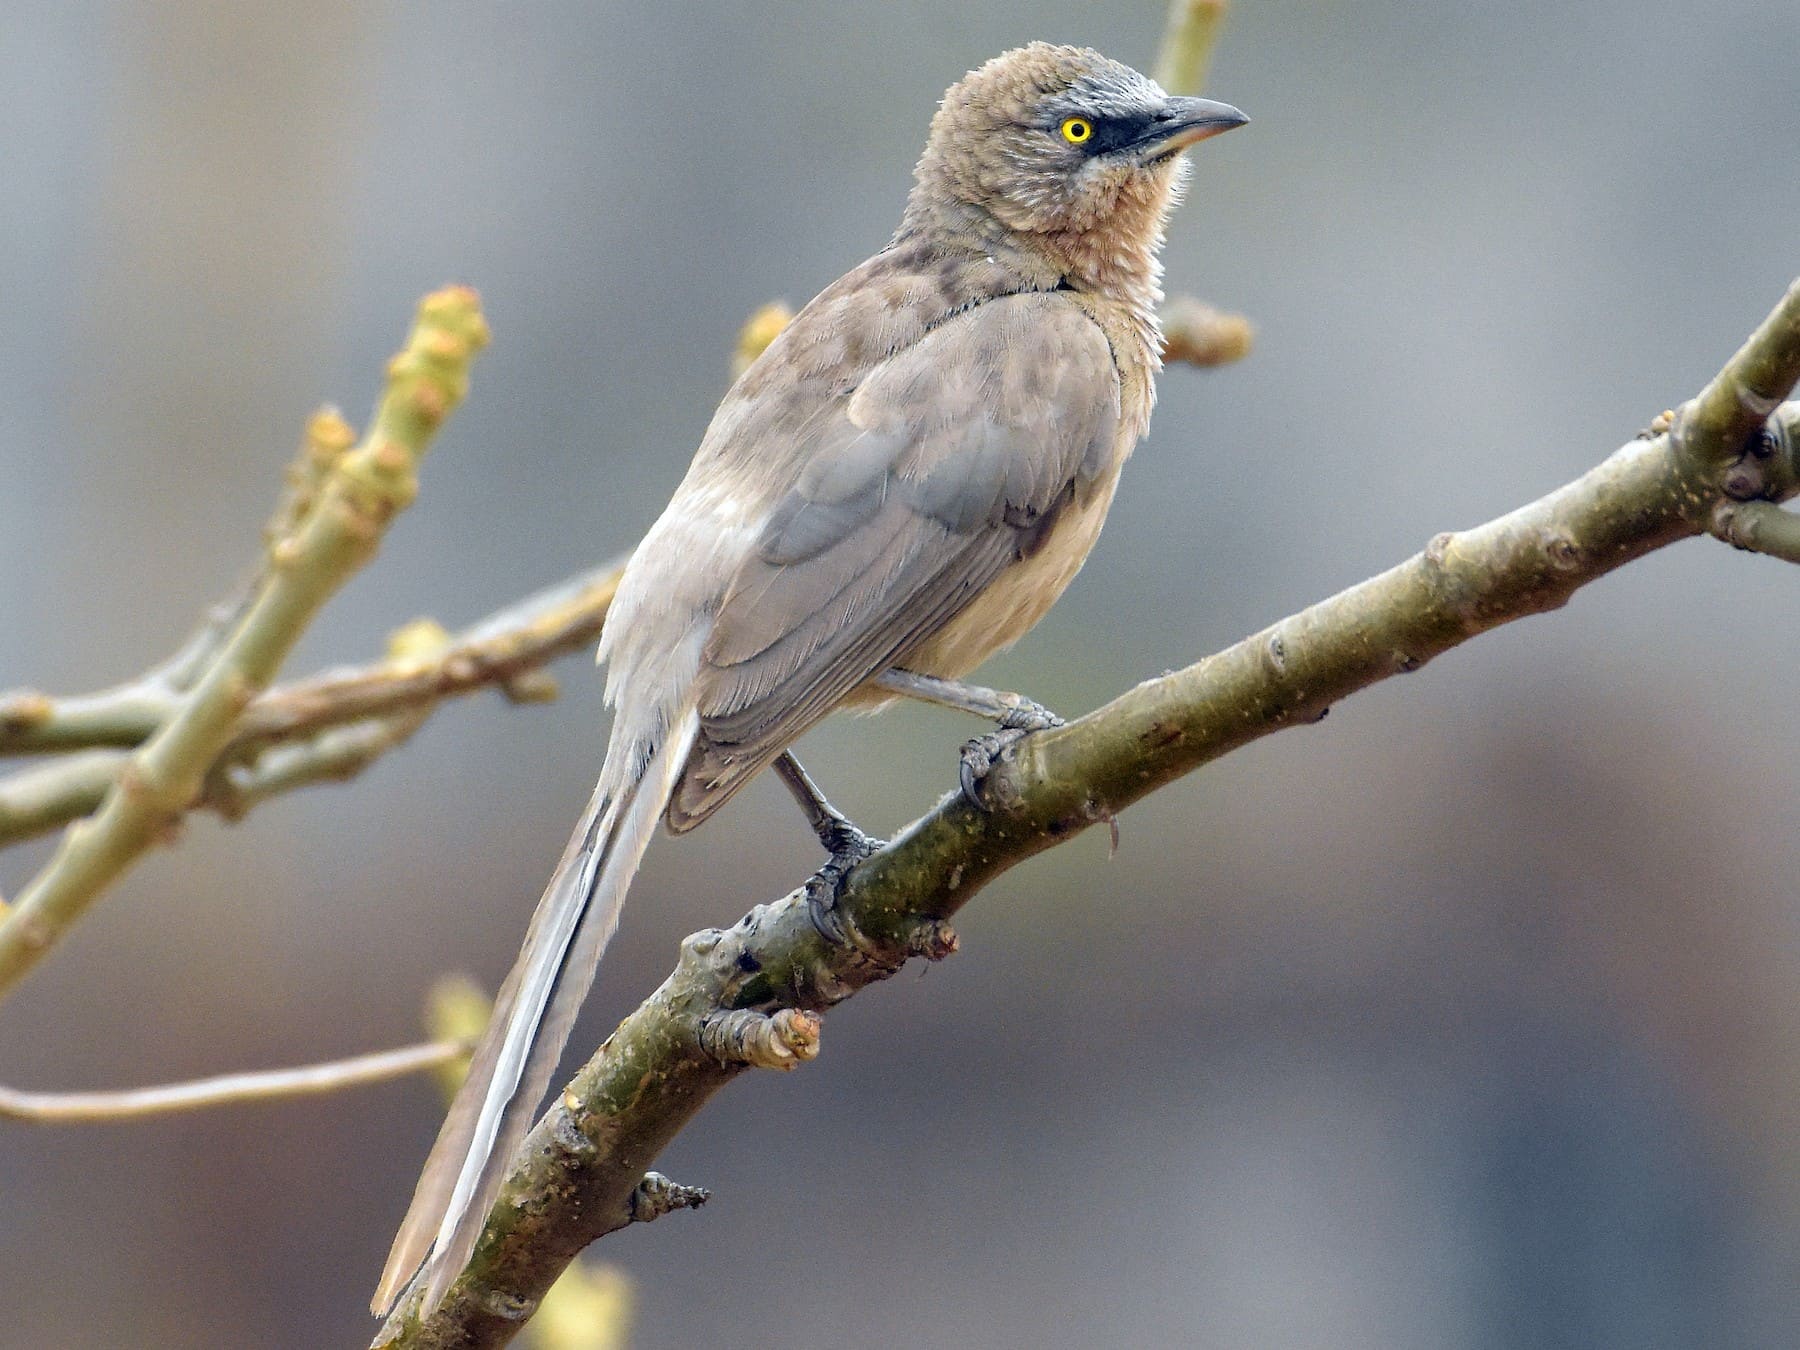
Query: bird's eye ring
[1075,130]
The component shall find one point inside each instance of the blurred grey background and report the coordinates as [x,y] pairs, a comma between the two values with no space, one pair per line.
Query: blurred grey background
[1470,1018]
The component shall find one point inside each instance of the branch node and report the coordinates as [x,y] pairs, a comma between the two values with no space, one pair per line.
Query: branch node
[1564,553]
[1277,652]
[762,1040]
[1097,813]
[656,1196]
[1743,481]
[506,1305]
[695,947]
[933,939]
[566,1126]
[1159,735]
[531,686]
[284,554]
[136,784]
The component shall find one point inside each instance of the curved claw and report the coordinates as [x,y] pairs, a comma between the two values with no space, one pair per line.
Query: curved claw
[848,846]
[971,783]
[978,759]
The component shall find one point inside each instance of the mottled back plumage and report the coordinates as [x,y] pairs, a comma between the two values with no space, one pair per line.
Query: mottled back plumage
[907,478]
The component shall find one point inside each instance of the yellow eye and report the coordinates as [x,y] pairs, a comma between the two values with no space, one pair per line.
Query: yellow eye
[1075,130]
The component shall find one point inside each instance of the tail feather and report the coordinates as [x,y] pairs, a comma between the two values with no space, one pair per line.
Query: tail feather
[533,1015]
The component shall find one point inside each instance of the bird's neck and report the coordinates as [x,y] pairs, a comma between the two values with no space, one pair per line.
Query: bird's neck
[1116,263]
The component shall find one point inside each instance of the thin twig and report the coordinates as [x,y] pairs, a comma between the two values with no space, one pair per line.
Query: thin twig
[375,708]
[310,1080]
[335,755]
[501,650]
[1717,425]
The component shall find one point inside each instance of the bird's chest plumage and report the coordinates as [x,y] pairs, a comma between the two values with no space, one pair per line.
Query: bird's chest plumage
[1014,601]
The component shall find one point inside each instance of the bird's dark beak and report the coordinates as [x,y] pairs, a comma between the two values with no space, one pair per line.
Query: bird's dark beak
[1184,122]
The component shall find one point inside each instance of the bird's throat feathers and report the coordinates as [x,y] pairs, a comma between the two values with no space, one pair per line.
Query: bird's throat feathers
[1111,250]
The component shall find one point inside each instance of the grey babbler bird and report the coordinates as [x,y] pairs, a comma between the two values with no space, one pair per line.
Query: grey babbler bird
[899,487]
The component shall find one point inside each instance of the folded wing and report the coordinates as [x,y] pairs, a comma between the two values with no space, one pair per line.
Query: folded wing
[946,465]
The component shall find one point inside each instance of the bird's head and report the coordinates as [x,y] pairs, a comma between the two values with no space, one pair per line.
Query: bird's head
[1076,156]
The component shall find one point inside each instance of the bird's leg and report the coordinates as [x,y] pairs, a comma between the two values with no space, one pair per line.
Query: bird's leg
[846,844]
[1017,715]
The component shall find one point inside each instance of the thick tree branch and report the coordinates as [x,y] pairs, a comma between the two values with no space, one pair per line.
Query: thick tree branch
[364,489]
[573,1179]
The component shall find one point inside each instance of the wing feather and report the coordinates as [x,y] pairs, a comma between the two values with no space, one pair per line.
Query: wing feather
[945,466]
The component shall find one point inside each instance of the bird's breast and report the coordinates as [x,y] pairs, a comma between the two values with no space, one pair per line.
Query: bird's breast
[1011,605]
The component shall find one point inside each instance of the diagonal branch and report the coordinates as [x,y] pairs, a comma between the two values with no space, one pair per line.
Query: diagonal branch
[573,1178]
[363,491]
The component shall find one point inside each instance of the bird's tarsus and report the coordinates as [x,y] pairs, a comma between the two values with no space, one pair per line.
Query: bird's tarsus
[848,846]
[840,837]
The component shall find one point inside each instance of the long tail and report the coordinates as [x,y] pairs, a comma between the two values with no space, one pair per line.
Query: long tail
[533,1014]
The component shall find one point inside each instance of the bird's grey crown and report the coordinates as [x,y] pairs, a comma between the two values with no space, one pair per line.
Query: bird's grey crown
[1110,91]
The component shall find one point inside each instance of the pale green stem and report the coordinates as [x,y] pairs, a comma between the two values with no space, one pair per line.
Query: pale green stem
[366,488]
[1187,45]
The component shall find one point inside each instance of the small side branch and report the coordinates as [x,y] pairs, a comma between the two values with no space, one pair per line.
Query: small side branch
[1759,527]
[656,1196]
[745,1036]
[507,649]
[45,797]
[1716,426]
[327,727]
